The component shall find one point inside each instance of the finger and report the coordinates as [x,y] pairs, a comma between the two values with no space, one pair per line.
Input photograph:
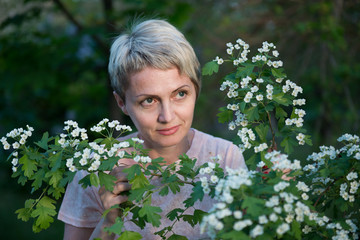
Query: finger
[119,174]
[121,187]
[110,200]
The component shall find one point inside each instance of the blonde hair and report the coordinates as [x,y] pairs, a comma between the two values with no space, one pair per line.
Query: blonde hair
[151,43]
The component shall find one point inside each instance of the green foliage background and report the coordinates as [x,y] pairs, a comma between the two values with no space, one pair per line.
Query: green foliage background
[53,60]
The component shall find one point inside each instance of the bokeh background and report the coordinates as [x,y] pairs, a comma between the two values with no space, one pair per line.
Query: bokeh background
[53,66]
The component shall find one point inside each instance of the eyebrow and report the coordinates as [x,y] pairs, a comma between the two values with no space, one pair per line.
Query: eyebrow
[152,95]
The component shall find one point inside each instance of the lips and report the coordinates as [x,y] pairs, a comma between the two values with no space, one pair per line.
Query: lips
[169,131]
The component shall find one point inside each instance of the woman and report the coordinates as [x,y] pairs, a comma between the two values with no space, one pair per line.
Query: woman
[156,79]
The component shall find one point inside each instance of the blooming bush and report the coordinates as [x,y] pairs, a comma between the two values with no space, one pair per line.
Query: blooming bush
[276,198]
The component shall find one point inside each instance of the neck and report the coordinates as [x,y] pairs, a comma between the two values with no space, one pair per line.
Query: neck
[171,154]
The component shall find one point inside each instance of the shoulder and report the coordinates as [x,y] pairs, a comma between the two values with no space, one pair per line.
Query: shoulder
[207,140]
[206,146]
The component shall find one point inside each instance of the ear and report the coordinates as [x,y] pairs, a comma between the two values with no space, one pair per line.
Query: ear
[120,102]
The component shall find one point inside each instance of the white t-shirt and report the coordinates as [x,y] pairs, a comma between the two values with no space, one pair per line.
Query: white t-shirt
[83,208]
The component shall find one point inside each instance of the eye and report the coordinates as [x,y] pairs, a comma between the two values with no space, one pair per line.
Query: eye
[148,102]
[181,94]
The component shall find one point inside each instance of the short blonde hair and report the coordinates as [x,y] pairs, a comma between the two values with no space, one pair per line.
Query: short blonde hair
[151,43]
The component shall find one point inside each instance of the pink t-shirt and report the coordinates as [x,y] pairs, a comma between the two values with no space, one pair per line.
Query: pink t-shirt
[83,208]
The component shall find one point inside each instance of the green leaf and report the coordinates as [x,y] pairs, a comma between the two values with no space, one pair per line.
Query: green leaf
[262,130]
[252,113]
[85,181]
[137,194]
[225,115]
[55,177]
[174,213]
[55,161]
[44,212]
[288,144]
[29,166]
[151,214]
[254,206]
[108,164]
[133,171]
[56,192]
[210,68]
[69,176]
[116,227]
[107,180]
[129,235]
[43,143]
[308,140]
[197,194]
[281,98]
[38,178]
[139,181]
[234,235]
[280,113]
[94,180]
[278,72]
[246,70]
[164,191]
[177,237]
[25,213]
[296,230]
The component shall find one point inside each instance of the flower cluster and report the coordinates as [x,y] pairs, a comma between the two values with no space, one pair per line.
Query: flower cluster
[106,124]
[256,91]
[18,138]
[245,135]
[275,215]
[208,174]
[90,157]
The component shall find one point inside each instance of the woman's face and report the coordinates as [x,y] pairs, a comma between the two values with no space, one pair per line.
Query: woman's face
[161,104]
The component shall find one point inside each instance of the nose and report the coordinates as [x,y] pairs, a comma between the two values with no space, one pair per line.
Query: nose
[166,113]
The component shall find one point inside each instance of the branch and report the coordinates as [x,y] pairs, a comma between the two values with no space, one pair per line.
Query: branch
[80,28]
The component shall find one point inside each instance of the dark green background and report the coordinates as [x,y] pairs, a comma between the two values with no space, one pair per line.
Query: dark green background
[53,59]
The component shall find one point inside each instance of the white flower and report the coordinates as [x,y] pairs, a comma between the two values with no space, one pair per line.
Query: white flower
[6,146]
[219,60]
[288,207]
[304,196]
[214,179]
[302,186]
[351,176]
[281,186]
[14,161]
[259,97]
[275,53]
[254,89]
[283,228]
[263,219]
[15,145]
[206,190]
[257,231]
[14,169]
[137,158]
[69,162]
[240,225]
[273,201]
[83,161]
[238,214]
[72,168]
[273,217]
[306,229]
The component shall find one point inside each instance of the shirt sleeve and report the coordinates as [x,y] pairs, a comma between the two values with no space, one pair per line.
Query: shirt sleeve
[81,207]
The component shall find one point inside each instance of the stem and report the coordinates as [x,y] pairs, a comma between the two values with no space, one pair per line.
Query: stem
[39,198]
[177,220]
[273,144]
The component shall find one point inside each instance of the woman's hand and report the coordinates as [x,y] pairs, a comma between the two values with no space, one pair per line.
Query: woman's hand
[111,198]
